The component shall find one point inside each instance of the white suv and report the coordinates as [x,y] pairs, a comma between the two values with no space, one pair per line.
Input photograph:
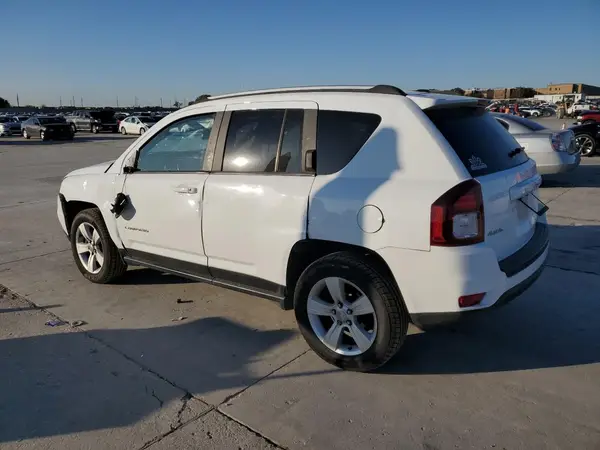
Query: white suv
[361,208]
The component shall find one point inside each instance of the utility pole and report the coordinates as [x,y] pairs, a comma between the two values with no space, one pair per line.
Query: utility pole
[60,101]
[73,101]
[161,102]
[117,101]
[18,100]
[82,102]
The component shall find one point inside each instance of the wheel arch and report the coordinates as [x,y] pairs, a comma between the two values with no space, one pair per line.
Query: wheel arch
[307,251]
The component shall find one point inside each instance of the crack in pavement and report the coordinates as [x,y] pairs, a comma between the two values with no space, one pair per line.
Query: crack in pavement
[187,395]
[573,270]
[33,202]
[573,218]
[36,256]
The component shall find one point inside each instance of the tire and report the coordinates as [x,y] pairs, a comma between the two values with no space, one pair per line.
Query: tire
[95,129]
[588,142]
[73,128]
[26,134]
[42,135]
[386,331]
[123,131]
[112,266]
[142,131]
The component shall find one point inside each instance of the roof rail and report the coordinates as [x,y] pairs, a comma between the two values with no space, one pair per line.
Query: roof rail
[378,89]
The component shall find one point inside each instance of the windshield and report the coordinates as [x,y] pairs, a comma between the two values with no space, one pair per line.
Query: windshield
[533,126]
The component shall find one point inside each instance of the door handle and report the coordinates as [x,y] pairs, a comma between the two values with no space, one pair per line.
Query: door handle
[185,190]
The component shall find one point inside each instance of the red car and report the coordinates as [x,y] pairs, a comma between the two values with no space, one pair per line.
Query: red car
[588,117]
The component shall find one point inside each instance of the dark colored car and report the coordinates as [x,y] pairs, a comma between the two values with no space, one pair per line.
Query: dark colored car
[587,138]
[46,128]
[93,121]
[592,116]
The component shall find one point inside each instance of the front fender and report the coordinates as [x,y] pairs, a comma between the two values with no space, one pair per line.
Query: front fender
[99,190]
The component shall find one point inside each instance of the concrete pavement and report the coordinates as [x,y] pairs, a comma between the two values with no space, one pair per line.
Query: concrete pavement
[236,374]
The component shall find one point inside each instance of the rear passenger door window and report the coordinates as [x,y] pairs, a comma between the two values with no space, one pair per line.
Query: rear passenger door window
[264,141]
[340,135]
[179,147]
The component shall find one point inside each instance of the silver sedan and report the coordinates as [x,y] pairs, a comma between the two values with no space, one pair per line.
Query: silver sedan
[552,151]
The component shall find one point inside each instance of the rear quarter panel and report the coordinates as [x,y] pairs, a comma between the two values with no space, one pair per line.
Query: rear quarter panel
[401,170]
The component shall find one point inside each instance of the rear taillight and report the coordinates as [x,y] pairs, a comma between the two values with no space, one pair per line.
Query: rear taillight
[457,216]
[557,143]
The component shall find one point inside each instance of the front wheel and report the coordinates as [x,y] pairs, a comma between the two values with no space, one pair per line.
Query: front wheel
[95,254]
[43,135]
[123,131]
[142,131]
[73,128]
[95,129]
[585,144]
[349,314]
[26,134]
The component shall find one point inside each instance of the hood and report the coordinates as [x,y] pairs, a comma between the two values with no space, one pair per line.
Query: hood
[91,170]
[103,115]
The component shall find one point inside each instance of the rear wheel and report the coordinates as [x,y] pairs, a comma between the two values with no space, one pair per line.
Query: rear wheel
[123,131]
[142,131]
[26,134]
[349,314]
[43,135]
[95,129]
[95,254]
[586,144]
[73,128]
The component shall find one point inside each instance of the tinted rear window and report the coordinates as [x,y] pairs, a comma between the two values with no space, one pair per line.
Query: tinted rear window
[481,143]
[340,135]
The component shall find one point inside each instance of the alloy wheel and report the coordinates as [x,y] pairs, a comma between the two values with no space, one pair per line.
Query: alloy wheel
[89,247]
[342,316]
[584,144]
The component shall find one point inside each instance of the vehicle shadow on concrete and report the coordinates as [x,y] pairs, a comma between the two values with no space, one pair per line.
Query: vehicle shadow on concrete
[554,324]
[587,175]
[70,382]
[141,276]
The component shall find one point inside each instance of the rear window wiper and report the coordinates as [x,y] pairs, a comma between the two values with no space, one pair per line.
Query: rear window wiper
[515,152]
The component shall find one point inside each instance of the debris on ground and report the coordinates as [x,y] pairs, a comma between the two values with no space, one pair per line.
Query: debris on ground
[78,323]
[178,319]
[184,301]
[54,323]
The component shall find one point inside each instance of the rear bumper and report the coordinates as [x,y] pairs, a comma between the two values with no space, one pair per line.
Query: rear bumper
[555,162]
[432,282]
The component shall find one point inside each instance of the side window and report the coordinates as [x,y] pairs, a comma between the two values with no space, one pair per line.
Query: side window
[252,140]
[179,147]
[340,135]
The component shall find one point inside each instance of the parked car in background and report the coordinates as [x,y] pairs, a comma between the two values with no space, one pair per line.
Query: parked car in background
[316,176]
[578,107]
[552,151]
[588,117]
[9,126]
[47,127]
[534,112]
[93,121]
[587,138]
[136,124]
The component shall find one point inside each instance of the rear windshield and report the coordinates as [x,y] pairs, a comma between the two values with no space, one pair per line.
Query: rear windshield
[481,143]
[533,126]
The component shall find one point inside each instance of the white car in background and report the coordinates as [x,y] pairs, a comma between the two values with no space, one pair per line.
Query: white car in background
[552,151]
[136,124]
[360,208]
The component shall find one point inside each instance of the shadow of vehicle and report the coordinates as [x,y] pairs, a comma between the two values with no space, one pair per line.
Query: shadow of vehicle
[142,276]
[70,382]
[553,324]
[586,175]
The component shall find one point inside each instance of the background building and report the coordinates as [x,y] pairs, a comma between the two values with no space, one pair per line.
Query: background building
[569,88]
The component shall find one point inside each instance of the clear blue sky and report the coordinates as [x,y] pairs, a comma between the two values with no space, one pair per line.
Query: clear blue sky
[101,49]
